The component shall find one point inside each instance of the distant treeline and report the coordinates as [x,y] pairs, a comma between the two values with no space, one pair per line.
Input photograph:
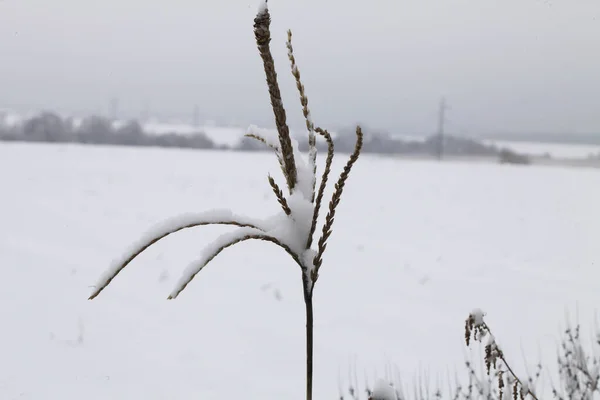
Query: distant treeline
[592,139]
[49,127]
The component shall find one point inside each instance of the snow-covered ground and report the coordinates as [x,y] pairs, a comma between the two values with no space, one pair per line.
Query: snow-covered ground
[416,246]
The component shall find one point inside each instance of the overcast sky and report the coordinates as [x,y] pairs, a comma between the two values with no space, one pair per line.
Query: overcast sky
[504,65]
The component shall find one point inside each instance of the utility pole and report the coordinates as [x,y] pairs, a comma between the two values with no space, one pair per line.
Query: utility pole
[441,122]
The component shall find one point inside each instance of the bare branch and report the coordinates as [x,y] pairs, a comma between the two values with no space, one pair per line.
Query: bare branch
[168,227]
[220,245]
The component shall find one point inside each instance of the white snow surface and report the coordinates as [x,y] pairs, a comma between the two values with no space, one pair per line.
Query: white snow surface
[306,177]
[293,230]
[262,6]
[416,246]
[477,315]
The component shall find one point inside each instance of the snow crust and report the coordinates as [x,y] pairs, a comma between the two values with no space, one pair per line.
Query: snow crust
[262,7]
[478,315]
[308,260]
[306,177]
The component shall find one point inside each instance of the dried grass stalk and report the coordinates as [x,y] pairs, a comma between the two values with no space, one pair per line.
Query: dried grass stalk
[477,329]
[271,145]
[285,155]
[262,34]
[262,140]
[323,185]
[280,197]
[155,238]
[312,141]
[335,200]
[257,236]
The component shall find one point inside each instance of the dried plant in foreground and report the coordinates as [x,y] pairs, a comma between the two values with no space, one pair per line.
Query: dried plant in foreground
[476,384]
[293,228]
[578,367]
[495,361]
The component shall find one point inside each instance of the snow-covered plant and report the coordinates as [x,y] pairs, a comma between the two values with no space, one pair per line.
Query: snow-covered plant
[486,386]
[578,367]
[293,228]
[383,391]
[475,384]
[392,386]
[509,385]
[421,389]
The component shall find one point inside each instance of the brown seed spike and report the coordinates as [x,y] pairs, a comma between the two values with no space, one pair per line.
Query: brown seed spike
[488,358]
[279,194]
[312,144]
[468,330]
[262,34]
[335,200]
[323,185]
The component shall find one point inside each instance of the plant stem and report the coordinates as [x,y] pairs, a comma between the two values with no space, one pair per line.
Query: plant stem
[309,342]
[510,370]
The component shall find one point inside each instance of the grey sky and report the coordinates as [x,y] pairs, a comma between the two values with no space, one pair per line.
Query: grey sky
[504,65]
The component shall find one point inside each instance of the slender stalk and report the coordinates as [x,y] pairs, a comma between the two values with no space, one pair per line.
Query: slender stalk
[510,370]
[309,343]
[171,227]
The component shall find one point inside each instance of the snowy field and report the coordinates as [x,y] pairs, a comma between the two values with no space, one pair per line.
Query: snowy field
[416,246]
